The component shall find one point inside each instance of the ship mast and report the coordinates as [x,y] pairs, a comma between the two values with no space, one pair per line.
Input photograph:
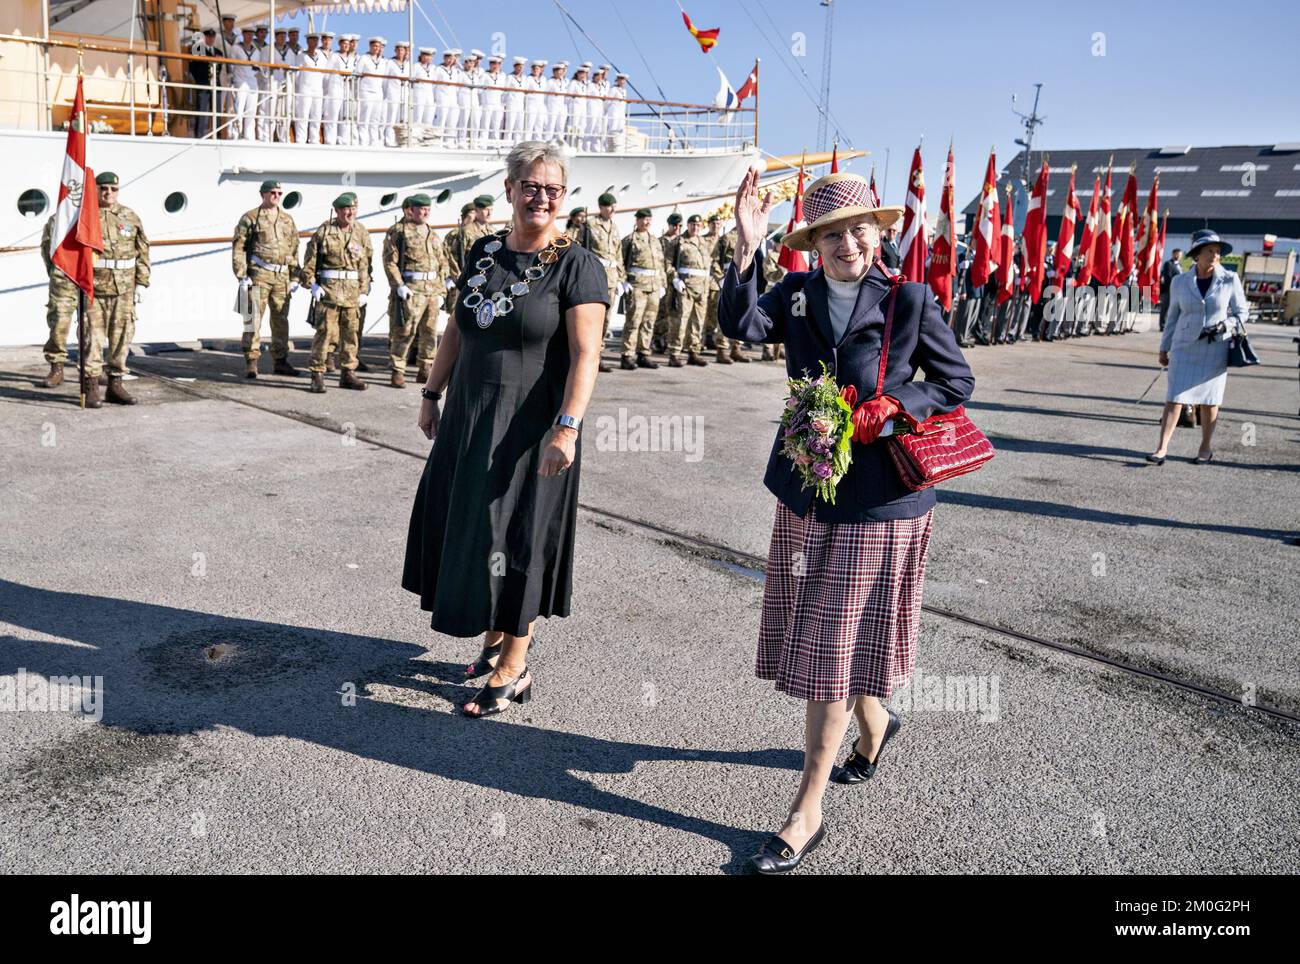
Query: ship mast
[826,74]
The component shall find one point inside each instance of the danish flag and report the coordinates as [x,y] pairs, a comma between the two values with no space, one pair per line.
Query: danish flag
[76,235]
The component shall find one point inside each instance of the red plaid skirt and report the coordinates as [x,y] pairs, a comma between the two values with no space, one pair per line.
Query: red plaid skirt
[841,605]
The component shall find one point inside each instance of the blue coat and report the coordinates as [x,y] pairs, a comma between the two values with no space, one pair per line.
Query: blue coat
[1224,301]
[796,313]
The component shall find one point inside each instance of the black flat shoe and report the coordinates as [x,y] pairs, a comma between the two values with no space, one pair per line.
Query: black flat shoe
[1156,459]
[481,665]
[856,768]
[486,698]
[778,857]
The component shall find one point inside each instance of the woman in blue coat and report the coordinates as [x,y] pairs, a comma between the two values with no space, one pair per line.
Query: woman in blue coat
[1206,308]
[842,597]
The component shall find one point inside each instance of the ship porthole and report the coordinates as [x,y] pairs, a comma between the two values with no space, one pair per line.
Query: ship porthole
[626,188]
[678,186]
[651,188]
[388,200]
[575,192]
[291,200]
[32,203]
[175,203]
[444,195]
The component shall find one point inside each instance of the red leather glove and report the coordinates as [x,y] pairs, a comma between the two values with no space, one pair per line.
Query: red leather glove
[870,417]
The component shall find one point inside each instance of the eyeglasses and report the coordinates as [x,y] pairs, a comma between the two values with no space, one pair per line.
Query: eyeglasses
[529,190]
[860,232]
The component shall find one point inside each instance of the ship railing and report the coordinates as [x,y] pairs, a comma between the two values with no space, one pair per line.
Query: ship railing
[290,104]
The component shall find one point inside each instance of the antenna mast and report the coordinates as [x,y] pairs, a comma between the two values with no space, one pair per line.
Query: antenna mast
[1030,122]
[826,74]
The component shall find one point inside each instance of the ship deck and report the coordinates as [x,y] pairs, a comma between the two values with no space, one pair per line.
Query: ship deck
[258,516]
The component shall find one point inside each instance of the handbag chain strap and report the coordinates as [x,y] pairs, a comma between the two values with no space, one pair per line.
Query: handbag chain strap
[896,281]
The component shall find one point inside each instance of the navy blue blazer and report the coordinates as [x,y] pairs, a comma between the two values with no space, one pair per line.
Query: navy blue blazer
[796,313]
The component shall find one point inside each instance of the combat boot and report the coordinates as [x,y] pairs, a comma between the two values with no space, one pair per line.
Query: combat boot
[738,355]
[627,364]
[250,367]
[348,379]
[645,361]
[90,387]
[722,357]
[103,380]
[282,367]
[767,354]
[317,383]
[55,378]
[696,360]
[423,374]
[675,361]
[398,380]
[332,361]
[117,392]
[604,366]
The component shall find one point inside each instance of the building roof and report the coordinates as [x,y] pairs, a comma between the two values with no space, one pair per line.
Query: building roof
[1246,189]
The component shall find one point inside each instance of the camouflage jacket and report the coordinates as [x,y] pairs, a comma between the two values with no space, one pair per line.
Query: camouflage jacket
[124,240]
[696,254]
[272,236]
[415,247]
[332,248]
[605,245]
[643,250]
[60,283]
[723,254]
[456,246]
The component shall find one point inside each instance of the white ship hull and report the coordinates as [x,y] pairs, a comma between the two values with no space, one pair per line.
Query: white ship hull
[192,294]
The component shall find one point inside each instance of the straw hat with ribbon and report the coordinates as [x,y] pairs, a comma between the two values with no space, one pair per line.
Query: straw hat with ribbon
[834,198]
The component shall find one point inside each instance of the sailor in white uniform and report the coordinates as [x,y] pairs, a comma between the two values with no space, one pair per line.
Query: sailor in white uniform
[310,92]
[338,89]
[596,109]
[471,106]
[579,87]
[492,95]
[422,92]
[616,113]
[513,83]
[556,103]
[395,90]
[243,82]
[444,96]
[372,68]
[536,122]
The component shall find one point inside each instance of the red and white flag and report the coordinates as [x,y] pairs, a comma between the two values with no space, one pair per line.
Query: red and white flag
[790,259]
[1123,245]
[1065,238]
[871,186]
[914,246]
[1007,260]
[1102,266]
[750,87]
[1148,239]
[943,265]
[1160,260]
[835,158]
[1087,247]
[987,228]
[1035,237]
[76,235]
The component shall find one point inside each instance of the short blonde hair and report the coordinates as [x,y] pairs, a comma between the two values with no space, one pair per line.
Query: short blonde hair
[527,153]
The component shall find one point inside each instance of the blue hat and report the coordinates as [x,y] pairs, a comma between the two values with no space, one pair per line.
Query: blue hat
[1208,236]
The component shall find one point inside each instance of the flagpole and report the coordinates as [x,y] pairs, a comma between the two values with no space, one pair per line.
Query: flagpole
[757,61]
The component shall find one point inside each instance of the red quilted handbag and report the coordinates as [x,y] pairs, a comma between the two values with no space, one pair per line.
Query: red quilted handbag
[940,448]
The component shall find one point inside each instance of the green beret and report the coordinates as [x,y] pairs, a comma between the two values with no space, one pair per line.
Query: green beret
[269,186]
[345,200]
[694,219]
[576,211]
[606,198]
[645,213]
[674,218]
[484,201]
[107,177]
[465,209]
[417,201]
[714,217]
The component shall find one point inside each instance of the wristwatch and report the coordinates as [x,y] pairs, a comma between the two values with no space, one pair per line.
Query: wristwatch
[568,421]
[429,393]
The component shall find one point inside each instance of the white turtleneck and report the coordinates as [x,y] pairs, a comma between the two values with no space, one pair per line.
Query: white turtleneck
[843,296]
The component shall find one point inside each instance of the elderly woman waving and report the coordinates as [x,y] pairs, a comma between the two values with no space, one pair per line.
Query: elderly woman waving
[842,598]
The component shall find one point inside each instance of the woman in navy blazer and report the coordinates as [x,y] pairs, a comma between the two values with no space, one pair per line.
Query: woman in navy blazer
[842,596]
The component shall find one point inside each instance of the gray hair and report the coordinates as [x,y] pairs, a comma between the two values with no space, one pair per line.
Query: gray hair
[527,153]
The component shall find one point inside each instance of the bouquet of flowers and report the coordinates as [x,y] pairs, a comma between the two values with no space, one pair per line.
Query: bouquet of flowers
[816,432]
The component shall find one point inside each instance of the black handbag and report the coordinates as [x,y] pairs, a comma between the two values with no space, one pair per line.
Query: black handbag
[1240,354]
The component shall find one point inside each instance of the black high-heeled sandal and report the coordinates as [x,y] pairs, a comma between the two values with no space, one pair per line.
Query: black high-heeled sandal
[487,697]
[481,665]
[857,768]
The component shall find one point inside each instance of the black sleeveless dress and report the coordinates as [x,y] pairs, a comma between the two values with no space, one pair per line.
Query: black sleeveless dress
[490,544]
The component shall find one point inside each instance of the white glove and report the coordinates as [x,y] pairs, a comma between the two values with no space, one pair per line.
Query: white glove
[139,294]
[662,292]
[403,292]
[316,292]
[293,287]
[450,284]
[679,284]
[362,299]
[625,288]
[245,283]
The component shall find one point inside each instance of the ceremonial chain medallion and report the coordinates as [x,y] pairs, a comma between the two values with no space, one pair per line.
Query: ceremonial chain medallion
[487,309]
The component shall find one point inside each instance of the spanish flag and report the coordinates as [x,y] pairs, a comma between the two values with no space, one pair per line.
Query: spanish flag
[705,38]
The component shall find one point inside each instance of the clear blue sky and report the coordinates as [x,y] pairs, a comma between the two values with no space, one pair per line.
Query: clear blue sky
[1199,73]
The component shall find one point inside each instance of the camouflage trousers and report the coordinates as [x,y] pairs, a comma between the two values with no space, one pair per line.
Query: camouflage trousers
[112,326]
[420,316]
[720,341]
[261,296]
[59,312]
[662,319]
[335,325]
[609,308]
[638,325]
[686,327]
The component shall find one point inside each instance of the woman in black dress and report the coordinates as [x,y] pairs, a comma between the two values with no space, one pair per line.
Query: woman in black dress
[490,545]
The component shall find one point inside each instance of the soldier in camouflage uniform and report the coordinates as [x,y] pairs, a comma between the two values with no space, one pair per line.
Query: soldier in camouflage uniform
[772,274]
[59,310]
[669,240]
[724,251]
[415,263]
[264,256]
[643,266]
[336,268]
[691,280]
[479,225]
[457,245]
[121,277]
[712,232]
[576,227]
[605,245]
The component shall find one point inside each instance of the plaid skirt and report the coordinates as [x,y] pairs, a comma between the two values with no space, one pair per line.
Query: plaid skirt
[841,605]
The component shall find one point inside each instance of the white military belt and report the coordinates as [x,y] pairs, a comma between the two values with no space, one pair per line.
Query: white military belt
[277,268]
[606,262]
[329,274]
[644,271]
[419,275]
[116,264]
[693,272]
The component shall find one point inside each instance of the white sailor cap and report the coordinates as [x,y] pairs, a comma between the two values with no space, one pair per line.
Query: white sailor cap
[604,66]
[401,43]
[313,34]
[428,50]
[295,30]
[519,60]
[617,76]
[585,65]
[475,52]
[328,33]
[262,26]
[451,52]
[559,65]
[539,63]
[495,59]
